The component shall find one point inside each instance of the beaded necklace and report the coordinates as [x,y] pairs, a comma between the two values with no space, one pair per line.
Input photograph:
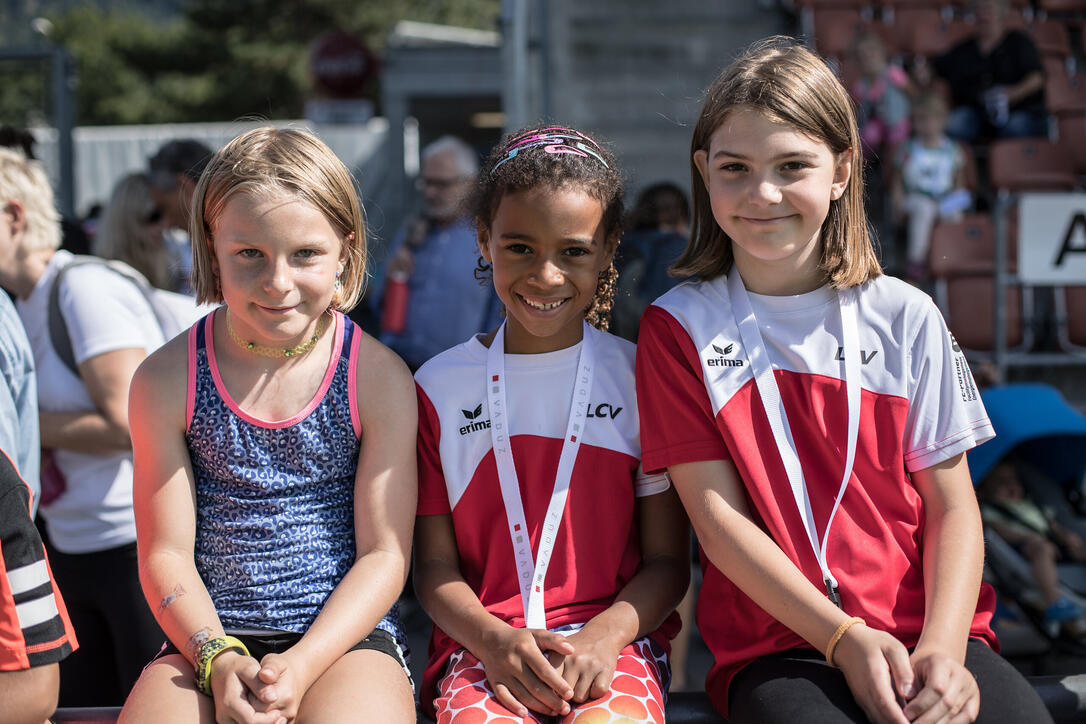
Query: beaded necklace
[278,352]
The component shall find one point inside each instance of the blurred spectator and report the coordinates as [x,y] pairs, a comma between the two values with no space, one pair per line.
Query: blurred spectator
[995,78]
[84,422]
[928,180]
[19,392]
[132,231]
[74,237]
[657,230]
[435,256]
[1034,533]
[174,170]
[19,139]
[35,632]
[881,93]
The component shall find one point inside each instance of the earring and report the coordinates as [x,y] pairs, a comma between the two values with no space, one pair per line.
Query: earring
[338,284]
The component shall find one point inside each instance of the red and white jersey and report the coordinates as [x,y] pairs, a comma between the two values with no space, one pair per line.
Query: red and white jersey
[919,406]
[597,549]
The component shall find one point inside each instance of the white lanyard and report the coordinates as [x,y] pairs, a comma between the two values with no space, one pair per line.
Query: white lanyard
[532,573]
[778,418]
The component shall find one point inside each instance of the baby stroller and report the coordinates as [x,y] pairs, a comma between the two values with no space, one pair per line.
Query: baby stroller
[1047,437]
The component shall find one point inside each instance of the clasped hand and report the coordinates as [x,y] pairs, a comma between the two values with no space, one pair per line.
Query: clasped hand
[545,671]
[893,687]
[248,691]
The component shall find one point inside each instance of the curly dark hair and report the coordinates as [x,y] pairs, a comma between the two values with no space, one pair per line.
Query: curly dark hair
[554,157]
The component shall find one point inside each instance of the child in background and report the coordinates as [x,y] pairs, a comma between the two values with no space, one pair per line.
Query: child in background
[566,609]
[1008,511]
[928,181]
[881,93]
[274,461]
[814,417]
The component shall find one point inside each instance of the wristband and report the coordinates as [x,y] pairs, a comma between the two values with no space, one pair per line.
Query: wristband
[206,656]
[838,634]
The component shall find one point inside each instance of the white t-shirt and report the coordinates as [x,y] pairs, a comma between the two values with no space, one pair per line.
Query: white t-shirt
[596,549]
[103,313]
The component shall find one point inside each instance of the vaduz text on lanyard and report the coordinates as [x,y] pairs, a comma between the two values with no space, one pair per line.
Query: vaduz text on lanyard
[531,573]
[778,418]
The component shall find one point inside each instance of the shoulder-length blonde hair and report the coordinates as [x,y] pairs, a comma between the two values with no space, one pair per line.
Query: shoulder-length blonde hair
[125,234]
[792,85]
[279,161]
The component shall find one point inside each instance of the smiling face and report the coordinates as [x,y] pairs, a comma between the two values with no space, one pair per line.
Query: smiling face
[770,189]
[277,258]
[547,248]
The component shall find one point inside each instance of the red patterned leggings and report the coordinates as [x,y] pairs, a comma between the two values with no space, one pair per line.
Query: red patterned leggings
[637,693]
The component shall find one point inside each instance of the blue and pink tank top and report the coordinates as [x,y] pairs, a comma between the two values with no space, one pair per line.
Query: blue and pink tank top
[274,499]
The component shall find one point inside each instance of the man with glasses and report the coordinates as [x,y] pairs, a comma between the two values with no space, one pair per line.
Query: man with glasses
[435,254]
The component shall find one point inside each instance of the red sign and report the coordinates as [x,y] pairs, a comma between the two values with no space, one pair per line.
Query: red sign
[341,64]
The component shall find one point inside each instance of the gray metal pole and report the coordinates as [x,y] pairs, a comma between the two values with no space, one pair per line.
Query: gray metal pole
[63,86]
[515,60]
[64,107]
[999,312]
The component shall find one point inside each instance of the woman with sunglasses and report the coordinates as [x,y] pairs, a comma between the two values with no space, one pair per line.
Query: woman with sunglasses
[132,231]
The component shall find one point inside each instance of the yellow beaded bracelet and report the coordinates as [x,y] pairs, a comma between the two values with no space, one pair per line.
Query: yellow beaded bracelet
[836,638]
[206,657]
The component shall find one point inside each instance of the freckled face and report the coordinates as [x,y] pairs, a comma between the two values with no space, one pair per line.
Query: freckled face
[547,248]
[277,258]
[770,189]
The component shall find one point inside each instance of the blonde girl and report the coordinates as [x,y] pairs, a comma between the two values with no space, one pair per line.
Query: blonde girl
[274,461]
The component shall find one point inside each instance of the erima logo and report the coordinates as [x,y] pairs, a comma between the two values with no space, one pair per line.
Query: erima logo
[723,361]
[865,356]
[477,424]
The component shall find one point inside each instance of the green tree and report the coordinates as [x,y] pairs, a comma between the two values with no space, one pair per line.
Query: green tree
[220,61]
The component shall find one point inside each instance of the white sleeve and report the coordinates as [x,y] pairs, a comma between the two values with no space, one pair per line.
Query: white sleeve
[646,484]
[105,312]
[946,416]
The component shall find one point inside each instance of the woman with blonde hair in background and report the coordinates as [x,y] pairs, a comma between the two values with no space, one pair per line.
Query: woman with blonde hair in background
[132,232]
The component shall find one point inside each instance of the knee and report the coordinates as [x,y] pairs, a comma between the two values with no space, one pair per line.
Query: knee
[30,696]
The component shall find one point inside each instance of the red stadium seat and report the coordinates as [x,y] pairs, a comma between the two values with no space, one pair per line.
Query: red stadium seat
[1029,164]
[961,261]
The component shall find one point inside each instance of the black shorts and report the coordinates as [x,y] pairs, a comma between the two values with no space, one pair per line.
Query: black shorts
[262,643]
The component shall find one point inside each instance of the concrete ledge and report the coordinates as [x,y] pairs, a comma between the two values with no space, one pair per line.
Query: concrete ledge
[1065,697]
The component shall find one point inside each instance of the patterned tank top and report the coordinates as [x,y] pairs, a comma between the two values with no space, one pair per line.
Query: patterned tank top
[274,499]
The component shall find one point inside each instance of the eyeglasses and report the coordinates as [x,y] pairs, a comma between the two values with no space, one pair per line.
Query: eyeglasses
[438,183]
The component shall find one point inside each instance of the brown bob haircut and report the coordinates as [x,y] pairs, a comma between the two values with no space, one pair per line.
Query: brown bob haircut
[791,85]
[271,162]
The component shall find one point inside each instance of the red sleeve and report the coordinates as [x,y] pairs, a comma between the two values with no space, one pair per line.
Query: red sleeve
[433,495]
[34,625]
[677,421]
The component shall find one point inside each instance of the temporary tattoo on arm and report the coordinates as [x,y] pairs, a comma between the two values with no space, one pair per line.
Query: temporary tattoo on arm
[175,594]
[197,640]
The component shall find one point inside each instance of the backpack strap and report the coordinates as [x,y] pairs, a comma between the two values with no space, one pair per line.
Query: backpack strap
[59,335]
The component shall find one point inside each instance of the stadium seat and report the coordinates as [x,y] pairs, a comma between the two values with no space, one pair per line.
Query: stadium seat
[1062,6]
[1071,318]
[1064,93]
[1051,37]
[1072,130]
[932,40]
[835,30]
[961,261]
[1029,164]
